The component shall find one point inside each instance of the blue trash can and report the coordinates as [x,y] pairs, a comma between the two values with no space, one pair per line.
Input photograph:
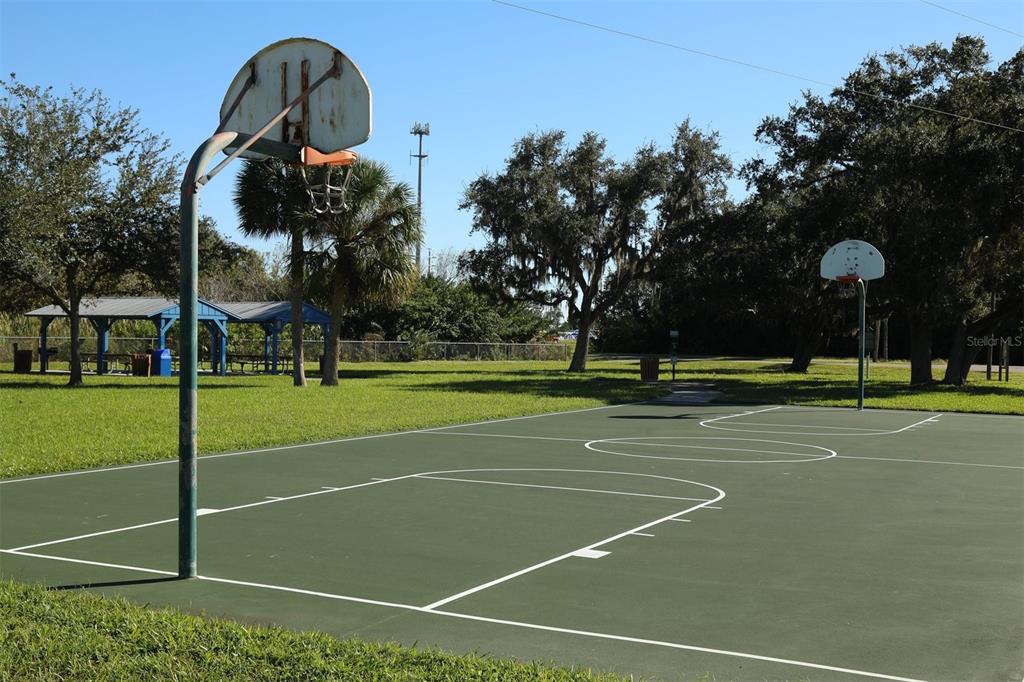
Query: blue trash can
[160,362]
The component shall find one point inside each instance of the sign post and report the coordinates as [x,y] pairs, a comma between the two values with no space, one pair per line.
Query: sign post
[674,336]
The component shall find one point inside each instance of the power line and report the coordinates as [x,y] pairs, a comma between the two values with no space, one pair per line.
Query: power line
[750,65]
[967,16]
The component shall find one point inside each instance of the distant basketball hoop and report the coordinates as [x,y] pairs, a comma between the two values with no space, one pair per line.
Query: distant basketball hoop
[852,264]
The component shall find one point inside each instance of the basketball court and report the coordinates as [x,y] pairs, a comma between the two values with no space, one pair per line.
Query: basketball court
[658,539]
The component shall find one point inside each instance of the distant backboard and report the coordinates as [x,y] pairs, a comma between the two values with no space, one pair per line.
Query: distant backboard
[335,116]
[852,258]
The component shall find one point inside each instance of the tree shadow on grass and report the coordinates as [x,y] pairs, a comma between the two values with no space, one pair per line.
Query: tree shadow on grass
[114,583]
[611,390]
[802,390]
[347,373]
[118,385]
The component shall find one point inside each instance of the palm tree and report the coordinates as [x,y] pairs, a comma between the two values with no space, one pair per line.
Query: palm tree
[364,253]
[271,200]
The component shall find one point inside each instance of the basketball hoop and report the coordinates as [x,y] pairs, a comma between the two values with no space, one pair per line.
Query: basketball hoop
[848,286]
[325,197]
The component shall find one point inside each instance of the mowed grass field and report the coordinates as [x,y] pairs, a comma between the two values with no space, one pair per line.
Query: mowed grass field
[45,427]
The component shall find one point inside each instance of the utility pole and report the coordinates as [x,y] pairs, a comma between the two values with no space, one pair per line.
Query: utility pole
[419,129]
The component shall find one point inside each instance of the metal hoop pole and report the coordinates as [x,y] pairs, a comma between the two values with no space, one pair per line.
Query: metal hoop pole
[188,350]
[861,342]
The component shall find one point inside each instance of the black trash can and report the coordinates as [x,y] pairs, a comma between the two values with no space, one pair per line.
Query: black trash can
[22,360]
[650,369]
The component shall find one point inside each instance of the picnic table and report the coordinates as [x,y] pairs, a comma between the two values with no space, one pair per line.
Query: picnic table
[257,359]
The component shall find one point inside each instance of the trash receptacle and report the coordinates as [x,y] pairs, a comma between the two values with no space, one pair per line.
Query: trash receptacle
[22,360]
[160,362]
[141,363]
[650,369]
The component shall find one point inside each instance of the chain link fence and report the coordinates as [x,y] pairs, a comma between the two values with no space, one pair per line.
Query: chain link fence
[348,351]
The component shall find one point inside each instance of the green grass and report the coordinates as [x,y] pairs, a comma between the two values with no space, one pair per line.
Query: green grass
[834,384]
[50,635]
[45,427]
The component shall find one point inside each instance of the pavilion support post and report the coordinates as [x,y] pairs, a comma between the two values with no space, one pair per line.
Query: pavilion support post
[223,354]
[163,326]
[44,349]
[212,329]
[266,348]
[102,327]
[276,345]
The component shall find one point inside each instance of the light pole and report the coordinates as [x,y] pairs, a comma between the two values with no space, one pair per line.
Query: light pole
[420,130]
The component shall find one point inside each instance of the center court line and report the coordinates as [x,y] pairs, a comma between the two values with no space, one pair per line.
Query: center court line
[561,557]
[498,621]
[558,487]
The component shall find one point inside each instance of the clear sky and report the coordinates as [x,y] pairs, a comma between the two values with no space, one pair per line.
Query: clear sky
[482,73]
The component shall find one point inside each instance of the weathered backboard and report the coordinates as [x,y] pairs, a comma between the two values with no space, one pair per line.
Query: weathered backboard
[335,116]
[853,258]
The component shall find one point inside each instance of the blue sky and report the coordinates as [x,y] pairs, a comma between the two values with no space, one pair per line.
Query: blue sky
[481,73]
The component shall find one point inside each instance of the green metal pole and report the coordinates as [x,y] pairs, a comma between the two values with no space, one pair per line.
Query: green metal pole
[188,348]
[861,345]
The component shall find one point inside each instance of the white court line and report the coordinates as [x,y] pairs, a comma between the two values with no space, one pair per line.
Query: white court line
[210,512]
[635,440]
[682,520]
[87,563]
[706,424]
[652,445]
[558,487]
[932,461]
[314,443]
[502,435]
[499,621]
[648,535]
[848,428]
[561,557]
[91,535]
[742,414]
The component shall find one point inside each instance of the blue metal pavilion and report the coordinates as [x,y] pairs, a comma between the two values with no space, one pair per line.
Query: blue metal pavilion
[162,312]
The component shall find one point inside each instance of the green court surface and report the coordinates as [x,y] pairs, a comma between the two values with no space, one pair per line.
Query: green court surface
[659,539]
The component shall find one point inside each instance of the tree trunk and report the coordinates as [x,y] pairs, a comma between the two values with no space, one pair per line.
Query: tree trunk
[76,345]
[963,354]
[807,345]
[579,355]
[297,269]
[920,353]
[330,364]
[956,372]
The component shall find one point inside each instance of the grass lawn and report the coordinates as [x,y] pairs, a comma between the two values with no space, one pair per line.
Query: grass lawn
[47,635]
[45,427]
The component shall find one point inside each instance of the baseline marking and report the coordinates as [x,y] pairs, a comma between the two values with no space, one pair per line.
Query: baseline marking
[499,621]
